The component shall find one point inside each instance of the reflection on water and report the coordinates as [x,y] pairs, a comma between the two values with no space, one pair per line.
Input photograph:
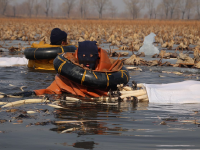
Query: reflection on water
[124,118]
[91,125]
[85,145]
[86,111]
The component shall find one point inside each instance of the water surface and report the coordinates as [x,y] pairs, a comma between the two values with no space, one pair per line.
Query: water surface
[128,125]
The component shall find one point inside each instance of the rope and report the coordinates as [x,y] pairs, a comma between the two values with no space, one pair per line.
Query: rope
[108,79]
[95,75]
[60,59]
[83,78]
[60,67]
[124,72]
[34,52]
[62,49]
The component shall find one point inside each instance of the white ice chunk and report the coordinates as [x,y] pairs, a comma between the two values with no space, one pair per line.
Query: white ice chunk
[148,48]
[13,61]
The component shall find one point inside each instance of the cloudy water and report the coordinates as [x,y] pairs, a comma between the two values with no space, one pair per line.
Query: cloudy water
[127,125]
[87,125]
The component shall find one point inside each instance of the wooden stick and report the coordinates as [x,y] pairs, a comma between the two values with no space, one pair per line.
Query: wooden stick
[26,101]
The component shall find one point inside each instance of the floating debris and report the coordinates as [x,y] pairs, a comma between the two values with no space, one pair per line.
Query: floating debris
[56,106]
[3,120]
[163,123]
[75,121]
[23,102]
[31,112]
[134,68]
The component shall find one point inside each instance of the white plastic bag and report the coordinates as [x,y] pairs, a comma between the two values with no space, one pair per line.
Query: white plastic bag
[181,92]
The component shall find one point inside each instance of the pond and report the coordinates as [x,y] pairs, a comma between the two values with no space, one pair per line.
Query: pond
[128,125]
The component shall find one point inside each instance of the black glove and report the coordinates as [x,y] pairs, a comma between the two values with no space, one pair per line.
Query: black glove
[25,94]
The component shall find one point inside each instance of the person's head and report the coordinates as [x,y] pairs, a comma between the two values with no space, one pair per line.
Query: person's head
[58,37]
[88,54]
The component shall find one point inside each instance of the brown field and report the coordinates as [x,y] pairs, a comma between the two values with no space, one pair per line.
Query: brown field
[117,32]
[125,34]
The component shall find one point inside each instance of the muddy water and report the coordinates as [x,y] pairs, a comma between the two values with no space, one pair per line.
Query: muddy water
[125,126]
[128,125]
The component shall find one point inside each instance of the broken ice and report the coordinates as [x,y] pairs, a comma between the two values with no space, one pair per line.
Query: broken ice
[148,48]
[12,61]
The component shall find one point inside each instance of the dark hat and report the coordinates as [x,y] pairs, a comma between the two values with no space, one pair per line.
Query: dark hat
[57,35]
[89,47]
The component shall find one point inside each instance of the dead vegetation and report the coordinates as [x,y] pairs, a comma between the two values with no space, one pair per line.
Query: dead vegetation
[179,36]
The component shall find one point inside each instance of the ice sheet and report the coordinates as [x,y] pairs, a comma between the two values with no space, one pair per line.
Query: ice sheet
[12,61]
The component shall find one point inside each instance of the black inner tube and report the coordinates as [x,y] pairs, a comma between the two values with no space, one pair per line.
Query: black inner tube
[90,78]
[47,53]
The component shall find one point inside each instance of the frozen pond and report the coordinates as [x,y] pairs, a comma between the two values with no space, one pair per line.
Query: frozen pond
[128,125]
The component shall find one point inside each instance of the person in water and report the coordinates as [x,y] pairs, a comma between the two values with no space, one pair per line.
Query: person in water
[58,37]
[88,56]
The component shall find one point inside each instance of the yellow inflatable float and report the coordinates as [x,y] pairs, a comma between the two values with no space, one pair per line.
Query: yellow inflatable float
[41,56]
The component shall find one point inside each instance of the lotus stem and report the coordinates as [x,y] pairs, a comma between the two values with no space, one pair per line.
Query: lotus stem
[21,88]
[1,96]
[127,88]
[134,93]
[26,101]
[105,99]
[31,112]
[3,103]
[110,103]
[72,99]
[130,68]
[68,130]
[140,85]
[142,97]
[55,106]
[11,96]
[130,92]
